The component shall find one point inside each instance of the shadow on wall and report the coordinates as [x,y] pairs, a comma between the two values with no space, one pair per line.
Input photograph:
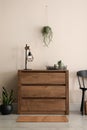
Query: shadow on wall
[9,80]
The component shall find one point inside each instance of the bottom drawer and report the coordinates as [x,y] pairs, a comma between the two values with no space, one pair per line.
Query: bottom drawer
[42,105]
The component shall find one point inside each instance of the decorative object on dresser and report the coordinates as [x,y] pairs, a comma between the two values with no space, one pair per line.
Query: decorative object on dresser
[43,92]
[28,56]
[58,66]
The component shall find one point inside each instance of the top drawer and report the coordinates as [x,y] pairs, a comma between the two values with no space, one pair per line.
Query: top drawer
[42,77]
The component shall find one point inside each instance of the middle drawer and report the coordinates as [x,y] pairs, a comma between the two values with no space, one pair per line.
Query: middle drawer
[43,91]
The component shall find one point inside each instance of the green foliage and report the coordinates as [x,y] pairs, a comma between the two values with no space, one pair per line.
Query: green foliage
[47,35]
[7,97]
[60,64]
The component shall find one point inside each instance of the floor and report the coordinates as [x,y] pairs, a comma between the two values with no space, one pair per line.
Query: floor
[76,122]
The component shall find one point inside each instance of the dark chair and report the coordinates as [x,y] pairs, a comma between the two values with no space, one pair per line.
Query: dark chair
[82,79]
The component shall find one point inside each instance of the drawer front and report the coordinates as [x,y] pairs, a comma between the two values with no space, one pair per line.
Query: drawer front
[43,91]
[42,105]
[42,78]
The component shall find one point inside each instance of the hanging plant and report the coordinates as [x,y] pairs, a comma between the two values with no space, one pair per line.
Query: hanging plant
[47,35]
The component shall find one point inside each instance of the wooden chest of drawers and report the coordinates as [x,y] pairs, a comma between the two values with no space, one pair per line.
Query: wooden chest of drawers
[43,92]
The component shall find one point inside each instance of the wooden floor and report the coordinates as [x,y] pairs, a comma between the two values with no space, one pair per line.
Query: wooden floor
[42,119]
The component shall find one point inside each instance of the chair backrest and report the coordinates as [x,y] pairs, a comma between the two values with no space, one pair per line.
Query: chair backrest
[82,76]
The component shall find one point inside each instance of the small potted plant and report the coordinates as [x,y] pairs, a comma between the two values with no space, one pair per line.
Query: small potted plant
[7,99]
[60,64]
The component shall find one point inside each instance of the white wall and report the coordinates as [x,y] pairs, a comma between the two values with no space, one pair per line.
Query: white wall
[21,22]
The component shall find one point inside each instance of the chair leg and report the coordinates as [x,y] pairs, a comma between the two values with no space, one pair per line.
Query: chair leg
[82,102]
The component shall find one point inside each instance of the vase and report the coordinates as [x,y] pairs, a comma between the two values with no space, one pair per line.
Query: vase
[6,109]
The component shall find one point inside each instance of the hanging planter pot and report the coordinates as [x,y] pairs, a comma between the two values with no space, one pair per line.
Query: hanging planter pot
[47,35]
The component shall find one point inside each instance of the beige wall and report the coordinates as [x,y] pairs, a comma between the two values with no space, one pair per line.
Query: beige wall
[21,22]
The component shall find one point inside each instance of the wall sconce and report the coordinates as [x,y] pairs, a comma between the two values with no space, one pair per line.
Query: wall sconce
[28,56]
